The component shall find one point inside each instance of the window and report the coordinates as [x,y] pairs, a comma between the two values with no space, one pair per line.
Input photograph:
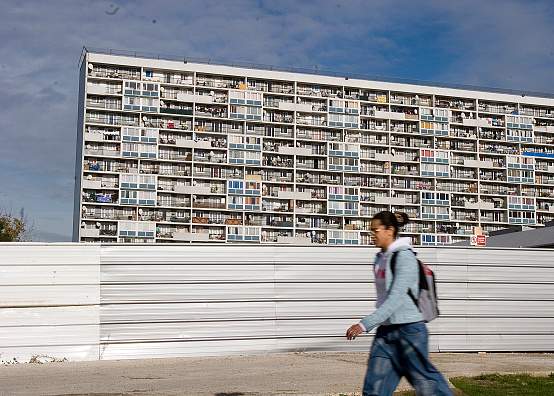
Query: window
[236,154]
[129,197]
[235,184]
[335,162]
[150,87]
[128,181]
[149,73]
[336,119]
[441,156]
[147,150]
[238,111]
[251,231]
[426,112]
[351,120]
[426,125]
[131,103]
[131,134]
[441,113]
[427,154]
[147,182]
[254,98]
[427,169]
[129,193]
[236,202]
[149,102]
[236,97]
[427,239]
[351,206]
[442,212]
[427,212]
[129,149]
[253,112]
[441,170]
[350,163]
[146,197]
[443,198]
[132,85]
[252,156]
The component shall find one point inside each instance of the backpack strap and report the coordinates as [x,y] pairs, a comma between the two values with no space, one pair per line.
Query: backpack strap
[393,268]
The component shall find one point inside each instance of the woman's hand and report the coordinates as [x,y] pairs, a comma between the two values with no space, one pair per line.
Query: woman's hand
[354,331]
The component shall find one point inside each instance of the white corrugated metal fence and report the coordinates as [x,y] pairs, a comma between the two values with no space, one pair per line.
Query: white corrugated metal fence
[115,301]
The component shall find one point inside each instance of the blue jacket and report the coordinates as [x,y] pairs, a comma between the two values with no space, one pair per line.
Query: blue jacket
[398,307]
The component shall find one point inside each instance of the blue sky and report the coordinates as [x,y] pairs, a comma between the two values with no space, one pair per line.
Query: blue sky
[506,44]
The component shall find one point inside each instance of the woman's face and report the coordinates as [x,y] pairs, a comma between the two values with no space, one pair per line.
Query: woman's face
[382,237]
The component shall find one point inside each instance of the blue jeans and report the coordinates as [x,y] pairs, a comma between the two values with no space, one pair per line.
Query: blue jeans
[402,350]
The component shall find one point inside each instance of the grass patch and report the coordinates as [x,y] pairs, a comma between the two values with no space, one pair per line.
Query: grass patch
[495,385]
[500,385]
[505,385]
[456,392]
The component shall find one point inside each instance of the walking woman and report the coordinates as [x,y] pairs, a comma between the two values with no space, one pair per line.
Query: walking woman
[400,347]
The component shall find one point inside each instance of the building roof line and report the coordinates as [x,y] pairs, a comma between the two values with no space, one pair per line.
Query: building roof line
[315,71]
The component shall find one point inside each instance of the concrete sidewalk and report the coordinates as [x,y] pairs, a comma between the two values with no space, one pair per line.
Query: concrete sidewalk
[278,374]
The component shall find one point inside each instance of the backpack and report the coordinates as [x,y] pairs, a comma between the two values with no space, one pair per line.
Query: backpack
[427,301]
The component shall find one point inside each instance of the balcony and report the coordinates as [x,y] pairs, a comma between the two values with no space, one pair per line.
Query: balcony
[103,104]
[290,106]
[191,237]
[544,128]
[102,136]
[479,205]
[90,233]
[294,151]
[306,195]
[103,89]
[208,205]
[102,152]
[479,164]
[384,200]
[298,240]
[92,184]
[205,99]
[109,120]
[176,110]
[189,143]
[211,111]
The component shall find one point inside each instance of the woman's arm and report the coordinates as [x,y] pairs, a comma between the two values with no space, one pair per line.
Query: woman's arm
[406,274]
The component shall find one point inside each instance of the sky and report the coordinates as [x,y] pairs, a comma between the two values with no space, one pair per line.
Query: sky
[503,44]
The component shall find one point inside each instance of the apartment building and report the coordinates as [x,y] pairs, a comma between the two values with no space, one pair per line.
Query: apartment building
[180,151]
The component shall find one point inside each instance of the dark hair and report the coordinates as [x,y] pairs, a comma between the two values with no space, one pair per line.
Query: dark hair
[395,220]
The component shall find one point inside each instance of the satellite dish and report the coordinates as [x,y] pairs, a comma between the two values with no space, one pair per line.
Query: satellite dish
[98,224]
[162,89]
[161,102]
[140,211]
[144,118]
[90,66]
